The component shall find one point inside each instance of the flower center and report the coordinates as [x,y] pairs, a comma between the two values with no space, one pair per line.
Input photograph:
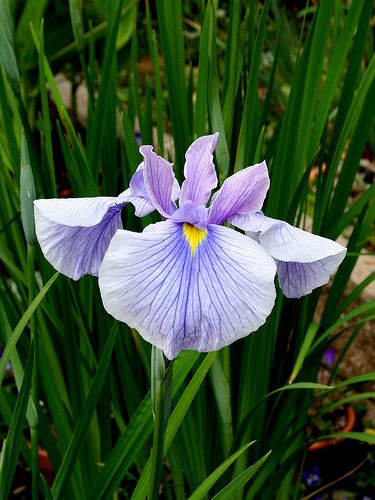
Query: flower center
[194,236]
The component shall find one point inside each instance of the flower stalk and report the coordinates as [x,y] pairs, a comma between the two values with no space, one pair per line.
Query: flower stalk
[161,390]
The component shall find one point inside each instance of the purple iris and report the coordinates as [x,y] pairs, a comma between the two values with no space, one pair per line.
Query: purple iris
[329,356]
[187,282]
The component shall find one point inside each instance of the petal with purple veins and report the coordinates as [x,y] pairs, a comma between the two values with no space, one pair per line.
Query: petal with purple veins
[241,194]
[297,279]
[142,204]
[138,194]
[186,288]
[305,261]
[74,234]
[291,244]
[199,171]
[255,223]
[159,181]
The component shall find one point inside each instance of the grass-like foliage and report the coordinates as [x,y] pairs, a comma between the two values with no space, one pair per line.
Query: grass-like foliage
[296,88]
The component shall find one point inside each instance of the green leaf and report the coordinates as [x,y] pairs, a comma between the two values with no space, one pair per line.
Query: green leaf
[169,14]
[200,115]
[358,436]
[250,126]
[48,174]
[21,325]
[292,145]
[31,15]
[223,401]
[358,379]
[296,386]
[304,350]
[71,454]
[27,194]
[352,314]
[350,123]
[176,419]
[348,400]
[12,443]
[87,185]
[136,433]
[8,61]
[344,220]
[338,57]
[214,106]
[241,480]
[96,132]
[202,490]
[233,66]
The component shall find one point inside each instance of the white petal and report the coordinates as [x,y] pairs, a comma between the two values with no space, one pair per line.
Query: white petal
[297,279]
[178,298]
[291,244]
[74,234]
[84,212]
[305,261]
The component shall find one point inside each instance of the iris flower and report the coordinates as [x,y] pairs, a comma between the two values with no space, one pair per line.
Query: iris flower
[187,282]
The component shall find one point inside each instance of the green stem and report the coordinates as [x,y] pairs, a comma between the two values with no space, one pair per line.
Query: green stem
[161,386]
[34,380]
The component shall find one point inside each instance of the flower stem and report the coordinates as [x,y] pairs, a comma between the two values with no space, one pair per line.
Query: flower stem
[161,387]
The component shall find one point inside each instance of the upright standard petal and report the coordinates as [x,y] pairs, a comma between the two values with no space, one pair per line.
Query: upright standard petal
[74,234]
[138,196]
[199,171]
[159,181]
[305,261]
[240,194]
[186,288]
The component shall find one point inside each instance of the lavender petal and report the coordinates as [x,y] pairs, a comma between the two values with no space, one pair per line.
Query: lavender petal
[199,171]
[159,181]
[305,261]
[74,234]
[181,298]
[241,194]
[297,279]
[190,213]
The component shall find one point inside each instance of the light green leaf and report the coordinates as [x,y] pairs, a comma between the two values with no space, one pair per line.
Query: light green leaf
[27,194]
[304,350]
[358,436]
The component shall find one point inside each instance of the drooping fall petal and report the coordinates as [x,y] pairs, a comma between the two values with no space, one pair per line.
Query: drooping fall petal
[74,234]
[305,261]
[186,288]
